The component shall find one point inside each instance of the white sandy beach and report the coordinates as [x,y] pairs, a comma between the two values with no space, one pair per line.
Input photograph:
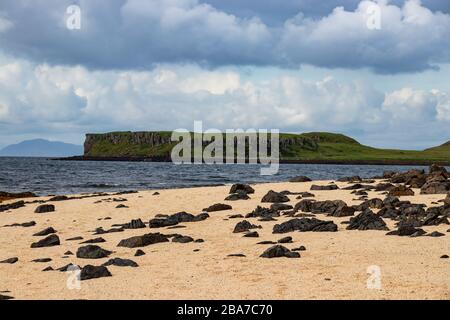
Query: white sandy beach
[334,265]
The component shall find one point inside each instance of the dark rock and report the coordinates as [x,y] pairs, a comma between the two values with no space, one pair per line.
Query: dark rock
[155,193]
[274,197]
[244,226]
[400,191]
[121,206]
[118,262]
[263,213]
[304,225]
[300,179]
[48,269]
[174,219]
[436,169]
[144,240]
[182,239]
[95,240]
[322,188]
[45,232]
[234,216]
[367,220]
[240,187]
[383,187]
[42,260]
[285,240]
[3,297]
[134,224]
[301,248]
[93,272]
[280,206]
[11,206]
[25,224]
[139,253]
[45,208]
[253,234]
[304,205]
[69,267]
[74,239]
[266,242]
[59,198]
[112,230]
[279,251]
[10,260]
[435,187]
[199,241]
[374,203]
[306,195]
[237,196]
[240,255]
[435,234]
[50,241]
[92,252]
[405,229]
[218,207]
[68,253]
[444,256]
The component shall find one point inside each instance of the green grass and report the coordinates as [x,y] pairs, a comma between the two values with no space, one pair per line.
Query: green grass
[322,146]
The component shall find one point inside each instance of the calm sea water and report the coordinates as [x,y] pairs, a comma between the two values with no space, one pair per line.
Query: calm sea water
[46,176]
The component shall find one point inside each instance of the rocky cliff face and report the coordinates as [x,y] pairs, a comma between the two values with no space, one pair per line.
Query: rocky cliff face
[150,139]
[125,143]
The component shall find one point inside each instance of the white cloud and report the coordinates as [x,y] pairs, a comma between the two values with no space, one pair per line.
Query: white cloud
[135,34]
[58,100]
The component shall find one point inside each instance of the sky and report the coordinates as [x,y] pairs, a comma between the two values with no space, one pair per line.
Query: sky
[375,70]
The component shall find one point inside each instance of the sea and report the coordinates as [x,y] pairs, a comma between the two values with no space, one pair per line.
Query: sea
[45,176]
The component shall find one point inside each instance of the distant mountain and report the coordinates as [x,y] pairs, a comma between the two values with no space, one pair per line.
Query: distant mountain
[41,148]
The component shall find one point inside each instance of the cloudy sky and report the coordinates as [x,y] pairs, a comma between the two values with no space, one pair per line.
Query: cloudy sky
[293,65]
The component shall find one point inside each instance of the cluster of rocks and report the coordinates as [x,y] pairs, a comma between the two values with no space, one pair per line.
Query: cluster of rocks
[436,181]
[239,191]
[174,219]
[304,225]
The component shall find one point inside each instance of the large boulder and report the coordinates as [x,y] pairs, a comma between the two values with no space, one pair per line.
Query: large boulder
[367,220]
[279,251]
[45,232]
[93,272]
[241,187]
[304,225]
[300,179]
[244,226]
[50,241]
[401,190]
[218,207]
[435,187]
[92,252]
[45,208]
[175,219]
[240,195]
[119,262]
[274,197]
[261,212]
[144,240]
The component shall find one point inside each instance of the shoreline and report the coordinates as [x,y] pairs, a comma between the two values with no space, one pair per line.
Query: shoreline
[326,162]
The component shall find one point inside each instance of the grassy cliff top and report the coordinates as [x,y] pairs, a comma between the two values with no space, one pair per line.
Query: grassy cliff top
[311,146]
